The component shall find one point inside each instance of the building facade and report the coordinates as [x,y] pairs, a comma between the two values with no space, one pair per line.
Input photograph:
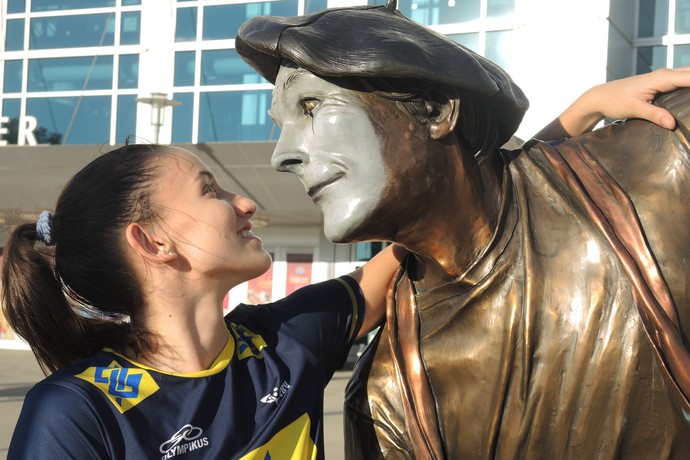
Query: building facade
[79,76]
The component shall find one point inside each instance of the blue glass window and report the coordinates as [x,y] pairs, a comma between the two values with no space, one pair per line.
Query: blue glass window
[55,5]
[433,12]
[218,21]
[650,58]
[234,116]
[185,25]
[184,68]
[130,28]
[470,40]
[498,48]
[131,2]
[223,21]
[77,120]
[682,16]
[499,8]
[72,31]
[225,67]
[681,56]
[653,18]
[10,109]
[365,251]
[70,74]
[182,118]
[13,77]
[14,40]
[315,5]
[126,123]
[16,6]
[128,76]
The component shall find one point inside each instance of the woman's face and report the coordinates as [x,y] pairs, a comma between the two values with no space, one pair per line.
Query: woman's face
[209,227]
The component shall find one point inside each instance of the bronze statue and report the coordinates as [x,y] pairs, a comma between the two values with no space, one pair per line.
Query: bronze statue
[544,310]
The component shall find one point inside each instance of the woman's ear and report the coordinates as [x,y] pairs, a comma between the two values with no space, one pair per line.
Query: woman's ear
[144,243]
[442,117]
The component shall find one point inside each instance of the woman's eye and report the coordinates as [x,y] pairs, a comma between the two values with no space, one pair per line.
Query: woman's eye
[308,105]
[210,188]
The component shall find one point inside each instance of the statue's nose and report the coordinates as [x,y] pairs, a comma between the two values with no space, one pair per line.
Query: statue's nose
[290,161]
[288,156]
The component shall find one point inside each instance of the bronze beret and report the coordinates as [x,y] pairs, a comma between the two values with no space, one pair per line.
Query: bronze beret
[377,41]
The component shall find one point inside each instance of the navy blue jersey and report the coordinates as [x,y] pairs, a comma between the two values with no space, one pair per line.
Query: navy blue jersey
[261,399]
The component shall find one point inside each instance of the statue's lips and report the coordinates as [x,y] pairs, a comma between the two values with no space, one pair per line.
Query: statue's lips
[315,189]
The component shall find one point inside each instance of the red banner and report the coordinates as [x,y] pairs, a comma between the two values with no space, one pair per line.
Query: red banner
[259,289]
[298,272]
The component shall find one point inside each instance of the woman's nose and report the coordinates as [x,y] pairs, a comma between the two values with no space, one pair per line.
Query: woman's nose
[244,207]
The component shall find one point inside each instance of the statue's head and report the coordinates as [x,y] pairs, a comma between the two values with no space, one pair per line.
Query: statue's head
[359,93]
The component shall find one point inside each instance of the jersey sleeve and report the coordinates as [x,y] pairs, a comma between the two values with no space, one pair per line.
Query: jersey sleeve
[324,317]
[57,422]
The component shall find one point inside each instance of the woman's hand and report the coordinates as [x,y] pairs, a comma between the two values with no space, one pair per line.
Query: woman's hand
[625,98]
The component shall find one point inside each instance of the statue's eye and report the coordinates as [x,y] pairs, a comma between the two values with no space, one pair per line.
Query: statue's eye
[308,105]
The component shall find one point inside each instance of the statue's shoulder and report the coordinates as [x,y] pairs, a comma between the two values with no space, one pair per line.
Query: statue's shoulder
[678,103]
[651,165]
[641,156]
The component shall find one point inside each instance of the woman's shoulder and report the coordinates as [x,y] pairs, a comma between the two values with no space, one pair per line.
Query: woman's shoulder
[71,394]
[60,416]
[343,289]
[314,302]
[61,399]
[70,377]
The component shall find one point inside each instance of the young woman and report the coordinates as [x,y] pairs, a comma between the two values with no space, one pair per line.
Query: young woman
[119,293]
[146,245]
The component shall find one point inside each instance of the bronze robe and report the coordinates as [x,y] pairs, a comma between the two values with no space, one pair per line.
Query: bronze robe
[568,338]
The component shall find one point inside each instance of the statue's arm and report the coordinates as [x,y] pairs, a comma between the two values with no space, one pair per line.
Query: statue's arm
[630,97]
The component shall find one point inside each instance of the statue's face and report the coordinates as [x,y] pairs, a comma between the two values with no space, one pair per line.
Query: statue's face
[329,142]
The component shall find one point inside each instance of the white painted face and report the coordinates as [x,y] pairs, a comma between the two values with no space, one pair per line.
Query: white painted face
[328,141]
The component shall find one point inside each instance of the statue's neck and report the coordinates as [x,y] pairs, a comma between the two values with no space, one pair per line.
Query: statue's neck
[459,233]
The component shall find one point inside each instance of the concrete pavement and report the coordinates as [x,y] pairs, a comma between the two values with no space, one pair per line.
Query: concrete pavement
[19,372]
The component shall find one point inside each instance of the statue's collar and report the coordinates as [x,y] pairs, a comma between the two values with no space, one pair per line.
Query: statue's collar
[485,263]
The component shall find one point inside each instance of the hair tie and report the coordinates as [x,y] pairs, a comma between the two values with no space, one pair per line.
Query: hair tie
[44,228]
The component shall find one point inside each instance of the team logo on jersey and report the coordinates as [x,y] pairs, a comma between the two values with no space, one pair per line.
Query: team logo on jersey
[277,394]
[125,387]
[247,343]
[291,443]
[186,439]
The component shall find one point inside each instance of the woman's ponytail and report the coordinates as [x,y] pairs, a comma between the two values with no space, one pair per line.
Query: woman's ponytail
[34,303]
[67,287]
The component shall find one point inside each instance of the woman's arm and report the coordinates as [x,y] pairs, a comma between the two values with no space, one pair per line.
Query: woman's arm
[58,422]
[374,278]
[625,98]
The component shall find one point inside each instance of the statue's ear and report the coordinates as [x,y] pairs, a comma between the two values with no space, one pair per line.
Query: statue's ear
[442,117]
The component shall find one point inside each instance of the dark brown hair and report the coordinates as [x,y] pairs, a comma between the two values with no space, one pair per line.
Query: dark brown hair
[70,300]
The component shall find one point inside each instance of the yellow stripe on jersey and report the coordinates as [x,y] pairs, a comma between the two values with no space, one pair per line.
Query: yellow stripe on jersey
[355,310]
[291,443]
[247,343]
[220,363]
[125,387]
